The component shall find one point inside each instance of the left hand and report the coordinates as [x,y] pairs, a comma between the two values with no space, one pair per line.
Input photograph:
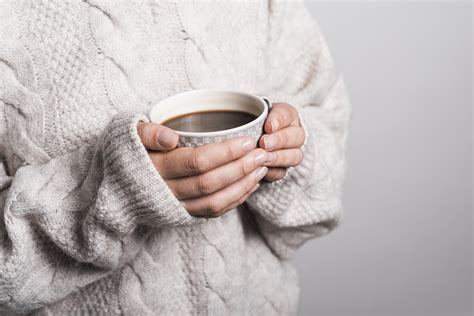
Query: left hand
[283,139]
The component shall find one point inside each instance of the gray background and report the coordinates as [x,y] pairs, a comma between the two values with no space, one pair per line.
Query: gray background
[405,246]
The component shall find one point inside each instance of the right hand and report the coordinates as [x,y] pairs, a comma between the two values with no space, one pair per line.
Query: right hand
[208,180]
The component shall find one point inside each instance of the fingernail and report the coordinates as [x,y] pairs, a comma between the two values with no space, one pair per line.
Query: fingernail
[167,138]
[248,145]
[269,141]
[260,173]
[275,125]
[261,157]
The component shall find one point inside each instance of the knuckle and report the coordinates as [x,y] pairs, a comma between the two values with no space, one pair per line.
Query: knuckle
[242,169]
[290,112]
[282,138]
[281,105]
[149,131]
[229,151]
[292,157]
[140,129]
[157,133]
[205,184]
[211,214]
[276,157]
[197,162]
[143,131]
[213,208]
[208,213]
[279,115]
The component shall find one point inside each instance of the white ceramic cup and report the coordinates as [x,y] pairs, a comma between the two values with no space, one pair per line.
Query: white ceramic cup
[208,100]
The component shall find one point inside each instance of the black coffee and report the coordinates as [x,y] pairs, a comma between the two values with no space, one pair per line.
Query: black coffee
[209,121]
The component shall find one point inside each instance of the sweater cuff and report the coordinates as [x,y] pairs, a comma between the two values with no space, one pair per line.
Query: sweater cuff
[143,197]
[272,199]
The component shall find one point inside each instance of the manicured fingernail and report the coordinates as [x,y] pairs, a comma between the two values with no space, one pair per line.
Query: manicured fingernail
[261,157]
[260,173]
[275,125]
[167,138]
[248,145]
[269,141]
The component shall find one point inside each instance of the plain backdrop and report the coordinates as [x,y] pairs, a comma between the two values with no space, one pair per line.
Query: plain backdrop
[405,245]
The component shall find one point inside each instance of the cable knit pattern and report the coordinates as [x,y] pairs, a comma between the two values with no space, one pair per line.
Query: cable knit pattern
[89,226]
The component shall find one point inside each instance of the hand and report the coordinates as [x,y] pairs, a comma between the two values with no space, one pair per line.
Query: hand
[283,140]
[208,180]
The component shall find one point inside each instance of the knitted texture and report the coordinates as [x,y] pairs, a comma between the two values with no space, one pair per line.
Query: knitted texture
[88,225]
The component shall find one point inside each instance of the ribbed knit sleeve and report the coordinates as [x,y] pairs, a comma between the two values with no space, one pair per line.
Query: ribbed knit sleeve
[78,217]
[306,203]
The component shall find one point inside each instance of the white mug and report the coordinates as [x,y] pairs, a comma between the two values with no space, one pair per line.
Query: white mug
[208,100]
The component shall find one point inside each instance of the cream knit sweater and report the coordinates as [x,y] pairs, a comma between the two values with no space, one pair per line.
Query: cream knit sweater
[88,225]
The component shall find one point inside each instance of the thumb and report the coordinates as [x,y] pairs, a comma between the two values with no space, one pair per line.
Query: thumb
[157,137]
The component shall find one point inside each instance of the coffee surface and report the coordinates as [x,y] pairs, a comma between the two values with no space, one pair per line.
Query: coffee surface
[209,121]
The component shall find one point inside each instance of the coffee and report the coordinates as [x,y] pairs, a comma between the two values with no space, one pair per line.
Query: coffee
[209,121]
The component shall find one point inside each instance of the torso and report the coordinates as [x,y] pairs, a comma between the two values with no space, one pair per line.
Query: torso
[88,60]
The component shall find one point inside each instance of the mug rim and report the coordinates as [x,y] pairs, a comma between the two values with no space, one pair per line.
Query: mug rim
[223,132]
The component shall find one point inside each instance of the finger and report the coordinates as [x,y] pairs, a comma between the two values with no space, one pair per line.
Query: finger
[157,137]
[187,161]
[275,174]
[219,178]
[214,204]
[289,137]
[242,199]
[281,115]
[285,158]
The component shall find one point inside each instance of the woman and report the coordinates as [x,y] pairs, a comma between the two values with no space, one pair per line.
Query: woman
[101,215]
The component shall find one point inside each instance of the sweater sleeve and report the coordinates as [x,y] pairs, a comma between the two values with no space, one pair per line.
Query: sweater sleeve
[306,203]
[78,217]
